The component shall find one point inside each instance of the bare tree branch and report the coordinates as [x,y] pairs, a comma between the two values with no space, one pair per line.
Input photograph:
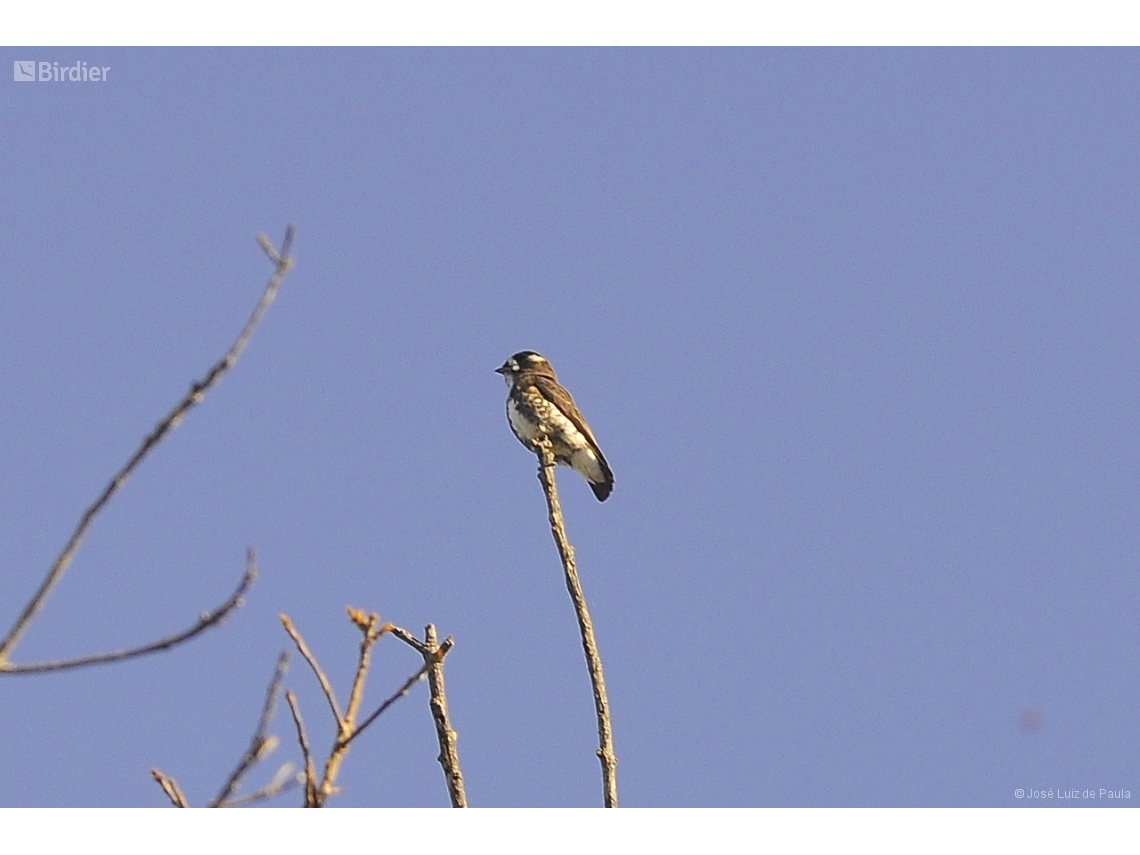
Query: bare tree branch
[282,782]
[606,754]
[317,793]
[303,648]
[306,752]
[371,631]
[171,788]
[207,620]
[445,733]
[260,747]
[370,628]
[262,744]
[401,692]
[282,263]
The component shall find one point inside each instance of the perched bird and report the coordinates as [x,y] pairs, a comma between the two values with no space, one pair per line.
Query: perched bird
[537,404]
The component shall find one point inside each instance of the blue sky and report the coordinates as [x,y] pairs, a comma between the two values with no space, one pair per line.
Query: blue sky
[856,330]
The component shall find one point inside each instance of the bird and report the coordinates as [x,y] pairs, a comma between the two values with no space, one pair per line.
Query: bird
[538,404]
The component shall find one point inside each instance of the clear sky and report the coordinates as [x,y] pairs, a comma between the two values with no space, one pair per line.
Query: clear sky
[856,330]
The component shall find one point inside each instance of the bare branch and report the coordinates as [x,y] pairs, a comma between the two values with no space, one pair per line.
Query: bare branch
[401,692]
[306,752]
[262,744]
[303,648]
[282,782]
[371,631]
[282,263]
[206,621]
[316,794]
[370,627]
[445,733]
[410,640]
[606,754]
[171,788]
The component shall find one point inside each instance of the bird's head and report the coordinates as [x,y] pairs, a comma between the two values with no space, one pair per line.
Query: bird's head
[524,360]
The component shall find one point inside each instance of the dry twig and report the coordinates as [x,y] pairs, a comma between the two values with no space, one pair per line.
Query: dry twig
[171,788]
[282,261]
[307,654]
[306,752]
[262,744]
[260,747]
[282,782]
[399,693]
[371,631]
[206,621]
[433,653]
[606,754]
[318,792]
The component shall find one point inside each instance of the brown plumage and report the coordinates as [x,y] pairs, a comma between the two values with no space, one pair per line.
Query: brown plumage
[537,403]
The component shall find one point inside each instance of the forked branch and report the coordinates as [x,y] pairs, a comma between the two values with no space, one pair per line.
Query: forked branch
[207,620]
[433,653]
[283,262]
[260,747]
[317,792]
[262,744]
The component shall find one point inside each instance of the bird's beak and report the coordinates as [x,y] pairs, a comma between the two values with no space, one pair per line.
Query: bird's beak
[502,369]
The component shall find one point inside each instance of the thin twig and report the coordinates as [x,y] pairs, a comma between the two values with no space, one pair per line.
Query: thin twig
[209,619]
[306,752]
[606,753]
[282,263]
[303,648]
[282,782]
[317,793]
[401,692]
[369,626]
[445,733]
[261,744]
[171,788]
[371,631]
[409,639]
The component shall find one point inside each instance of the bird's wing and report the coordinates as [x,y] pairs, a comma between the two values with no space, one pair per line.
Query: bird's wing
[553,392]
